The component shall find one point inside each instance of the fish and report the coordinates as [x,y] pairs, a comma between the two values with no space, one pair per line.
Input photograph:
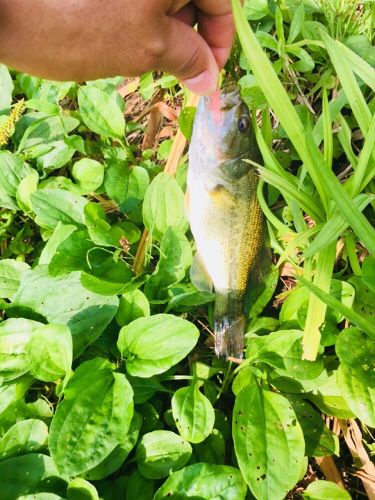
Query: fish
[225,217]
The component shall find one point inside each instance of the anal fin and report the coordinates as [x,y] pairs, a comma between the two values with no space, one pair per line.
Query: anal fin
[199,275]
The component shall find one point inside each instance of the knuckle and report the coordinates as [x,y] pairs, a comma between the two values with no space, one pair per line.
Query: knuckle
[154,53]
[188,68]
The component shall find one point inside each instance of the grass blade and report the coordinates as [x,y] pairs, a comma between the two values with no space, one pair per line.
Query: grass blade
[327,131]
[276,96]
[316,311]
[358,65]
[349,83]
[355,318]
[360,225]
[288,186]
[336,226]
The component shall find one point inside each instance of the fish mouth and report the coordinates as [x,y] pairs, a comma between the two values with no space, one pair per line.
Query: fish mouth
[229,98]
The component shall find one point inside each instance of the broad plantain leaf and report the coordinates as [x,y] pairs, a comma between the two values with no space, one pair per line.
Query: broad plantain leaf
[204,481]
[10,276]
[24,437]
[152,345]
[325,490]
[50,352]
[193,413]
[63,300]
[268,441]
[164,206]
[93,419]
[80,489]
[52,206]
[126,185]
[356,373]
[100,112]
[161,452]
[29,475]
[15,335]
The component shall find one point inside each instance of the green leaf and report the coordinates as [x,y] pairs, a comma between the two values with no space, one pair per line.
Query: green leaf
[259,296]
[212,449]
[186,120]
[328,397]
[26,436]
[71,254]
[100,112]
[368,272]
[88,174]
[356,373]
[15,335]
[161,452]
[59,154]
[6,87]
[60,233]
[139,487]
[63,300]
[348,313]
[175,259]
[364,299]
[325,490]
[155,344]
[10,276]
[26,187]
[117,457]
[105,287]
[204,481]
[133,305]
[164,206]
[319,440]
[283,350]
[93,418]
[126,185]
[57,205]
[40,136]
[50,352]
[268,441]
[296,24]
[145,388]
[28,475]
[80,489]
[348,81]
[193,413]
[12,171]
[100,231]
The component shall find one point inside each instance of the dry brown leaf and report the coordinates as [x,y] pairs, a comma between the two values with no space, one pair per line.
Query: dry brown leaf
[128,87]
[177,150]
[329,469]
[353,438]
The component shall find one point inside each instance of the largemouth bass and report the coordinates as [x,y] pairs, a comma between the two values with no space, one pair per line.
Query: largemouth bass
[225,217]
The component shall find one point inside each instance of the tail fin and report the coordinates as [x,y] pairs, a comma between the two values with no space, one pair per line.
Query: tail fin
[229,325]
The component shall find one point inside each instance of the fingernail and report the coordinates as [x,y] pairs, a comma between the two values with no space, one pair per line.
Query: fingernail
[203,84]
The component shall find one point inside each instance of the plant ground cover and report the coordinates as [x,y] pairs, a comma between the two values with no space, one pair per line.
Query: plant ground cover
[108,383]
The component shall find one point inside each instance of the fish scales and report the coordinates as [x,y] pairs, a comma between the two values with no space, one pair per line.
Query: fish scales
[224,213]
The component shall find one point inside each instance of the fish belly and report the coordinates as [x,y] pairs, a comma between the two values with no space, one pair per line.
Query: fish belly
[227,226]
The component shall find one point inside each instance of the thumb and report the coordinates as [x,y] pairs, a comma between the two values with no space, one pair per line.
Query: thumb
[188,57]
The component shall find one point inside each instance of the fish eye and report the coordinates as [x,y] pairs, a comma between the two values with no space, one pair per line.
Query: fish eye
[243,124]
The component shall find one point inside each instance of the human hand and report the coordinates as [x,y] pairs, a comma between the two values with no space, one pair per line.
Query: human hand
[88,39]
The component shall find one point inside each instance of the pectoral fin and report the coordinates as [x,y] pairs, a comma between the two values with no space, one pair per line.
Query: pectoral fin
[199,275]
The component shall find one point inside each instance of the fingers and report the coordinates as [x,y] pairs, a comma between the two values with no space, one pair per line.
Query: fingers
[215,24]
[188,14]
[191,52]
[188,56]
